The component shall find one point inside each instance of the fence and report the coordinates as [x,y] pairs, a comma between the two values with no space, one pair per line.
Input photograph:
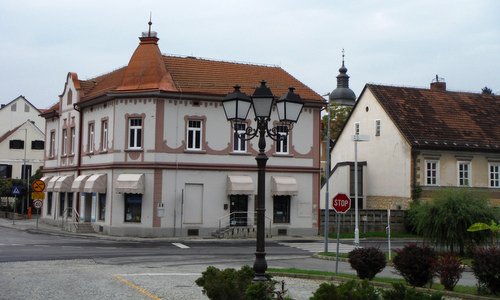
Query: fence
[370,220]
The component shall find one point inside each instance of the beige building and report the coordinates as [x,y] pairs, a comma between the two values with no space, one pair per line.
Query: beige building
[21,139]
[419,140]
[146,150]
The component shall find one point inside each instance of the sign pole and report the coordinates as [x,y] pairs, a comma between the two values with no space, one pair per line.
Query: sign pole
[14,210]
[389,231]
[37,216]
[338,242]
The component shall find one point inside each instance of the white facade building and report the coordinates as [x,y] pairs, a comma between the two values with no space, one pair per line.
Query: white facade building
[146,151]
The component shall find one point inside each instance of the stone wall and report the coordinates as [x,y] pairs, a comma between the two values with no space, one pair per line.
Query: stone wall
[386,202]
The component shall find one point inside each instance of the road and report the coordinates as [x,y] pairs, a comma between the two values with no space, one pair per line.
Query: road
[47,266]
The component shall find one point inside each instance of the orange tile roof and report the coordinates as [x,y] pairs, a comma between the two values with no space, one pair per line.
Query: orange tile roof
[432,119]
[149,70]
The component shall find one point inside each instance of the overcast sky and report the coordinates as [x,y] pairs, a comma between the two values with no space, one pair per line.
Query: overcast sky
[389,42]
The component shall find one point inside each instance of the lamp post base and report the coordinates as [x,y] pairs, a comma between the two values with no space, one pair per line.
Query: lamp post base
[260,266]
[356,237]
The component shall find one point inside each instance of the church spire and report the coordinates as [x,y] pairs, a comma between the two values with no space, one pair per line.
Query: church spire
[343,94]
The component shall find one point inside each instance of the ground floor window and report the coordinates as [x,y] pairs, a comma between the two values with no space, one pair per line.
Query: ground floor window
[102,206]
[49,203]
[281,209]
[70,204]
[61,203]
[133,207]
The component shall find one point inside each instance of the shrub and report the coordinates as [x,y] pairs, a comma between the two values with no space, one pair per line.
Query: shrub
[449,268]
[400,292]
[447,217]
[486,268]
[227,284]
[351,290]
[415,264]
[367,262]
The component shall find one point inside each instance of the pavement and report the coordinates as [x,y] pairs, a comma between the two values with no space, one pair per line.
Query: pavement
[298,288]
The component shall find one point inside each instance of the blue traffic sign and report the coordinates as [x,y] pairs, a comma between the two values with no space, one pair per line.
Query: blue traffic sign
[16,191]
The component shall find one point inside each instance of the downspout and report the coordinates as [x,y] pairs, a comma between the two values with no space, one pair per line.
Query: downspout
[78,148]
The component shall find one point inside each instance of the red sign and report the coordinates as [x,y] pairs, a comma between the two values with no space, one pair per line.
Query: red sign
[341,203]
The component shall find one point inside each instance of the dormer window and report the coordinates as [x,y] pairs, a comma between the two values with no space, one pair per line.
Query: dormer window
[69,97]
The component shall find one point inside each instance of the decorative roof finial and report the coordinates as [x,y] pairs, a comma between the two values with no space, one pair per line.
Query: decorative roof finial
[150,23]
[343,54]
[343,94]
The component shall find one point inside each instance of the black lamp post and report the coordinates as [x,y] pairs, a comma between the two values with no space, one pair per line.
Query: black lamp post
[236,107]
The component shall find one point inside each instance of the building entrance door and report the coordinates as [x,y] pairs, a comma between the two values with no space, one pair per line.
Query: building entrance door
[238,209]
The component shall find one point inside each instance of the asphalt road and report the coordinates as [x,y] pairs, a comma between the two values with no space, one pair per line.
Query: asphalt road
[36,265]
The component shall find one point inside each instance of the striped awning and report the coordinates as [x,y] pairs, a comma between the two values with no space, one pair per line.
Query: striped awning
[96,183]
[63,184]
[240,185]
[284,186]
[52,183]
[130,183]
[79,183]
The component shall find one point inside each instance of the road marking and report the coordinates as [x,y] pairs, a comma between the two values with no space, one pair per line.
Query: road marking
[17,244]
[162,274]
[319,247]
[182,246]
[136,287]
[44,246]
[72,247]
[106,247]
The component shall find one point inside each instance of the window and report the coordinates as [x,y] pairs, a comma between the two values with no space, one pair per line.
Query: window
[281,209]
[431,172]
[5,171]
[133,207]
[16,144]
[194,135]
[52,143]
[70,204]
[26,107]
[104,135]
[282,142]
[25,172]
[65,142]
[61,204]
[377,127]
[135,133]
[73,140]
[70,97]
[49,203]
[239,143]
[13,107]
[102,207]
[356,128]
[494,175]
[90,145]
[464,176]
[37,145]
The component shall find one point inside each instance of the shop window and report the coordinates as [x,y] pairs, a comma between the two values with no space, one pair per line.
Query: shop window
[133,207]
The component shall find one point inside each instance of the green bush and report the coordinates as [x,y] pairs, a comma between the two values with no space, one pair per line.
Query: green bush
[445,220]
[449,268]
[367,262]
[400,292]
[227,284]
[351,290]
[486,268]
[415,264]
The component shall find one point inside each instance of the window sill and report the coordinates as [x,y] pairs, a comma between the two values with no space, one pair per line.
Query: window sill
[134,150]
[282,155]
[103,151]
[240,153]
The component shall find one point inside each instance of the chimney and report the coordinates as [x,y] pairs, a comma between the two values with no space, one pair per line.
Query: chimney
[438,84]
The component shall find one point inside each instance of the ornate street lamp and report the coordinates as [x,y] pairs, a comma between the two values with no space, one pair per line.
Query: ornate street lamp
[236,107]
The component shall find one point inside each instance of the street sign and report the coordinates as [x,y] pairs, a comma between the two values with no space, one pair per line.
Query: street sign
[37,195]
[37,203]
[341,203]
[38,185]
[16,190]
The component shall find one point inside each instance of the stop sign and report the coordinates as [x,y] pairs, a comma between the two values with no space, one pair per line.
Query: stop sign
[341,203]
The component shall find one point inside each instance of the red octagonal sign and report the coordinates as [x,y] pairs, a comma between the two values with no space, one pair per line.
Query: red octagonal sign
[341,203]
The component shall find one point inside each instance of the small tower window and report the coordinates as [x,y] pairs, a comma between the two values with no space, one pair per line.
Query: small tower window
[377,127]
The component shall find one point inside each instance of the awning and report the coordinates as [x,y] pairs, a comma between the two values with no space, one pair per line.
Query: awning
[96,183]
[240,185]
[79,183]
[283,186]
[63,184]
[52,183]
[130,183]
[46,179]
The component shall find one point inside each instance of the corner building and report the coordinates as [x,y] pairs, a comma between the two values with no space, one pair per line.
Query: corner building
[146,150]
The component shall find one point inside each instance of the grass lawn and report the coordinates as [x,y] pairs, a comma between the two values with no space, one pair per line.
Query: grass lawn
[375,234]
[469,290]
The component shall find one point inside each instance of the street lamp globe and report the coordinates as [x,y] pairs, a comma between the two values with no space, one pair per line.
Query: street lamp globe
[262,100]
[289,106]
[236,105]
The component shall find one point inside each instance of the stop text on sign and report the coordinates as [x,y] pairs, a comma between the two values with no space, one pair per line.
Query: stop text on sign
[341,203]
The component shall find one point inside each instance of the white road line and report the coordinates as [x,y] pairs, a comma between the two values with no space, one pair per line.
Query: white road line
[319,247]
[162,274]
[44,246]
[72,247]
[106,247]
[182,246]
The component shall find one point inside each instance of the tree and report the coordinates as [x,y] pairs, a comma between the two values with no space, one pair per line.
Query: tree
[445,219]
[338,114]
[493,227]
